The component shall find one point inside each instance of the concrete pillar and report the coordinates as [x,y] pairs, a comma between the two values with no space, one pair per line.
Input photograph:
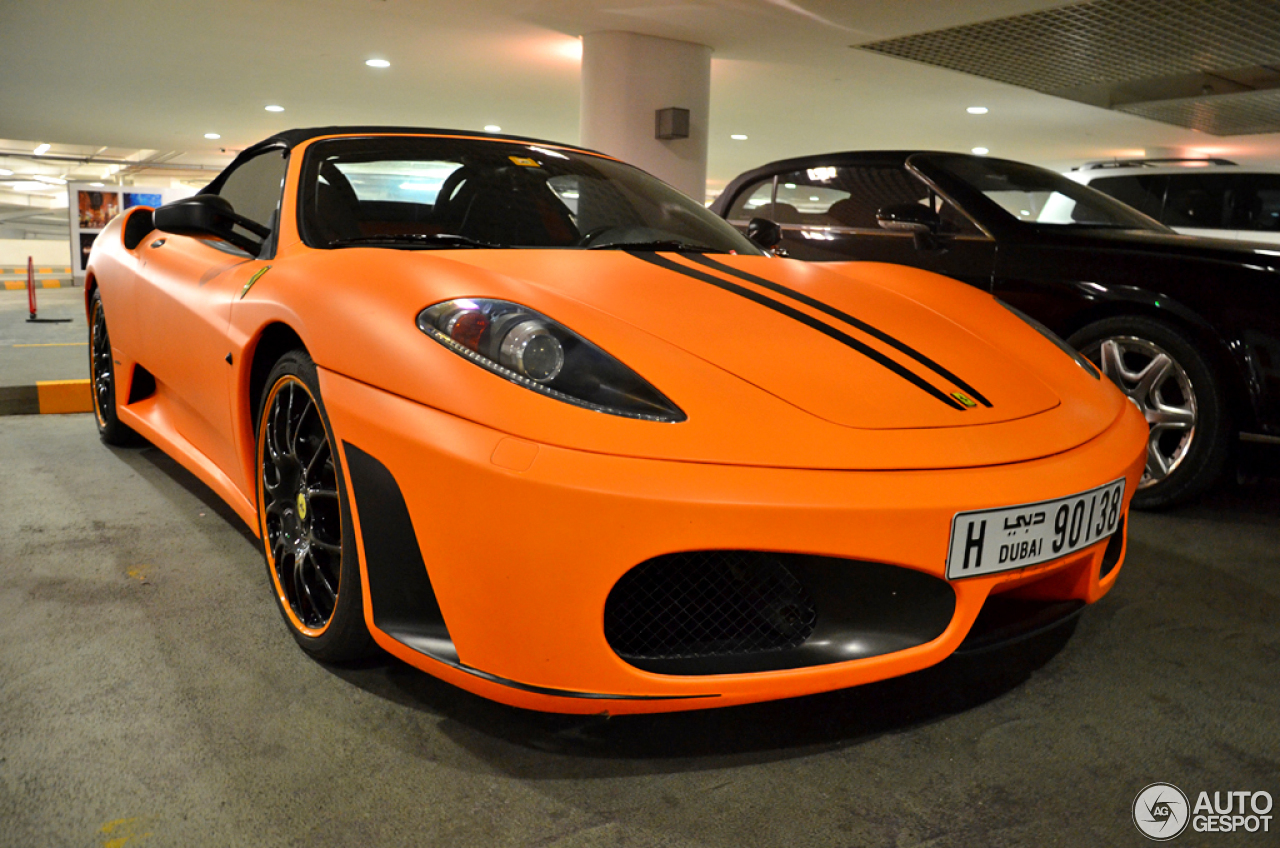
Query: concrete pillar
[626,78]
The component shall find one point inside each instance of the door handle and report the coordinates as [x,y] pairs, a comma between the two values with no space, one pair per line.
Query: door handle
[158,243]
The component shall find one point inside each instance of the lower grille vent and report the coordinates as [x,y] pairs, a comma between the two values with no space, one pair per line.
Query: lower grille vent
[708,603]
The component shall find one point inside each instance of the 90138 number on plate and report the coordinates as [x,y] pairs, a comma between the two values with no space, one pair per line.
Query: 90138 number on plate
[987,541]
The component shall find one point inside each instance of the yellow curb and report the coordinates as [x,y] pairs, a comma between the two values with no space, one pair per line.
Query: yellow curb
[62,396]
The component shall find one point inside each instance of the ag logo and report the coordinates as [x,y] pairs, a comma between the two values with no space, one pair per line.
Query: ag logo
[1161,811]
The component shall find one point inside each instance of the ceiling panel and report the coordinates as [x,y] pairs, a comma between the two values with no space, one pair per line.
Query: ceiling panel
[1138,56]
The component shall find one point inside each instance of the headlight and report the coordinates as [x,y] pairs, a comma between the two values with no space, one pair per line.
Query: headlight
[1053,337]
[533,351]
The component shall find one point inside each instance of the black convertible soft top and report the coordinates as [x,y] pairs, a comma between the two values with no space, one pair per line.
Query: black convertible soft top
[288,139]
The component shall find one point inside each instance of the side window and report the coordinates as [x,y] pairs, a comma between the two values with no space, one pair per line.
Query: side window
[255,187]
[1257,203]
[1144,193]
[752,202]
[1197,201]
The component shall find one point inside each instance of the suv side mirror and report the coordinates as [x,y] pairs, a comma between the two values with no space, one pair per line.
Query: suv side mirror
[208,216]
[920,221]
[764,232]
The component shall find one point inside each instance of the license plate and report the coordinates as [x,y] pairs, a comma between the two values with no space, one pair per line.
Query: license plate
[986,541]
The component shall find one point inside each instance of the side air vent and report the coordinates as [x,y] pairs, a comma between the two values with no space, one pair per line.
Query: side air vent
[142,386]
[136,227]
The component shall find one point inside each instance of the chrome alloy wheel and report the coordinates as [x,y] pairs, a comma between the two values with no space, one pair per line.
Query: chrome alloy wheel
[301,515]
[1161,389]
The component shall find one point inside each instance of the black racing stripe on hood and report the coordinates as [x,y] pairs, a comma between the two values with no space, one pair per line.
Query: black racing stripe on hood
[807,320]
[842,316]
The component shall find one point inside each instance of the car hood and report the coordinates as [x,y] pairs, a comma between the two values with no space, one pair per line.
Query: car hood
[775,362]
[849,351]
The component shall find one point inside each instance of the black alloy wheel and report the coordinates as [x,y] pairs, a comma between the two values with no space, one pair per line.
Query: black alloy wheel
[1173,385]
[102,378]
[304,520]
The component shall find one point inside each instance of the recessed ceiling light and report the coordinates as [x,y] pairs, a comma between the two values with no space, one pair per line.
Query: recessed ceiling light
[5,172]
[97,185]
[48,180]
[977,110]
[212,135]
[492,128]
[788,185]
[274,108]
[377,63]
[981,151]
[40,149]
[27,185]
[738,137]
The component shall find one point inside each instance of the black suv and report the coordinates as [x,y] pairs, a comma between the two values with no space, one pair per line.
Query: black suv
[1189,328]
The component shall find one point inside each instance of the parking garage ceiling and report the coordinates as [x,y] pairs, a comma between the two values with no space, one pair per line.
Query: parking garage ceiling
[134,86]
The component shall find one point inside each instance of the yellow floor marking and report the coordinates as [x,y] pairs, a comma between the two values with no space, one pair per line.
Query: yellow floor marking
[15,285]
[62,396]
[54,344]
[121,832]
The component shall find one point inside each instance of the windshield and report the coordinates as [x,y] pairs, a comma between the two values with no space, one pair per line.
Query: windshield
[419,192]
[1038,196]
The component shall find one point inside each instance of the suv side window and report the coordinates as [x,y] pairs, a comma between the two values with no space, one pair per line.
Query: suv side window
[1197,201]
[1256,203]
[255,189]
[1144,193]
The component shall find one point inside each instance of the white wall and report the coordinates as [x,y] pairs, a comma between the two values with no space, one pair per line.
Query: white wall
[45,252]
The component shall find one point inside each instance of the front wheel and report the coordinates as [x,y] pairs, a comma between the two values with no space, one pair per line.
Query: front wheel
[1172,383]
[304,518]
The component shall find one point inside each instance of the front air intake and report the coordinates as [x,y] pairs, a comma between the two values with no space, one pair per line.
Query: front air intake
[707,604]
[739,612]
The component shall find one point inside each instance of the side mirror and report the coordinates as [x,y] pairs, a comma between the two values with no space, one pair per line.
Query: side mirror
[208,216]
[764,232]
[909,218]
[920,221]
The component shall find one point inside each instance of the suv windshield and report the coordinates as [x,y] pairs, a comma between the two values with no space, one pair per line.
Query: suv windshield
[1038,196]
[424,192]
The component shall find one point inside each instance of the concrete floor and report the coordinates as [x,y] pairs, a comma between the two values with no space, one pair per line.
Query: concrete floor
[53,348]
[150,696]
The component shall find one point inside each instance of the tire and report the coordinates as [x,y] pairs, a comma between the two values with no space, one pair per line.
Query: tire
[1163,373]
[102,379]
[304,518]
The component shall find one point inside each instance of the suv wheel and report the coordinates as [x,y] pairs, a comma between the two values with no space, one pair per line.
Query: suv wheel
[1161,371]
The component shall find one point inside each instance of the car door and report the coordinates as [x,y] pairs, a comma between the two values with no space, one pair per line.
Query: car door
[828,213]
[189,287]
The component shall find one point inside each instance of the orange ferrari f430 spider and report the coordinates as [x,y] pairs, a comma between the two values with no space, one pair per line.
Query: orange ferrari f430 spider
[538,424]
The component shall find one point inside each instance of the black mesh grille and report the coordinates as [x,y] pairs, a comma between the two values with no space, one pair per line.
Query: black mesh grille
[708,603]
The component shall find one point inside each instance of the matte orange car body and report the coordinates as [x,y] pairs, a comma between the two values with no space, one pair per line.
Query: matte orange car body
[527,511]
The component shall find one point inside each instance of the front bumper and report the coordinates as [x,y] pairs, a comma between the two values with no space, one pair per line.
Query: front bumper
[524,542]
